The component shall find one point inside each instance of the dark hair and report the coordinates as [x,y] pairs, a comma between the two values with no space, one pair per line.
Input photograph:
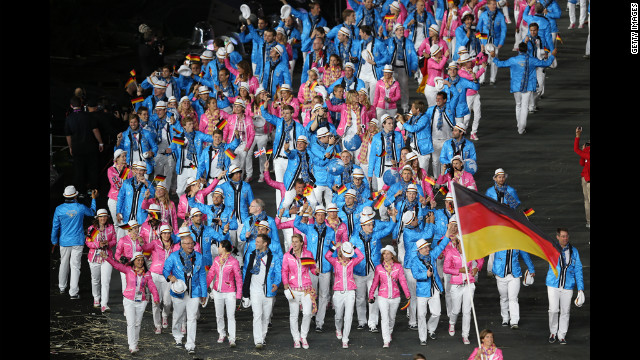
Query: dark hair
[217,132]
[224,70]
[522,47]
[561,229]
[228,247]
[75,101]
[366,29]
[534,25]
[346,13]
[265,237]
[298,181]
[443,94]
[142,108]
[419,357]
[269,30]
[219,42]
[95,221]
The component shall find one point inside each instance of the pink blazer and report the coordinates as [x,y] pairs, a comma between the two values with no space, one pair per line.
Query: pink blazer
[466,180]
[342,233]
[469,76]
[435,69]
[228,131]
[170,219]
[295,104]
[116,183]
[109,234]
[289,225]
[474,11]
[523,4]
[455,22]
[132,279]
[254,84]
[290,265]
[183,203]
[497,354]
[381,282]
[425,47]
[343,275]
[126,247]
[227,277]
[204,121]
[453,263]
[394,94]
[158,255]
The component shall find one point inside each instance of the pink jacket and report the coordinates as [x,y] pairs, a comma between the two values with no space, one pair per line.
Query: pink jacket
[466,180]
[344,115]
[254,84]
[295,104]
[402,16]
[267,128]
[229,129]
[426,187]
[132,279]
[366,116]
[183,203]
[116,183]
[497,354]
[523,4]
[342,233]
[468,75]
[435,69]
[168,216]
[294,274]
[226,277]
[204,122]
[109,234]
[425,47]
[381,282]
[455,22]
[126,247]
[289,225]
[343,275]
[301,98]
[158,255]
[474,11]
[453,263]
[394,95]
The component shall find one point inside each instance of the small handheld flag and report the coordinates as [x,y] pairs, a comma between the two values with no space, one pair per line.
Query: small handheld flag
[379,201]
[221,124]
[383,153]
[312,86]
[342,189]
[131,80]
[529,212]
[230,154]
[443,190]
[307,261]
[269,152]
[430,180]
[307,190]
[389,17]
[374,194]
[558,38]
[406,305]
[137,100]
[178,141]
[94,234]
[257,154]
[124,174]
[132,73]
[159,178]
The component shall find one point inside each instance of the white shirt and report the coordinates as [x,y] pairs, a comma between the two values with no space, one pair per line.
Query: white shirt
[257,280]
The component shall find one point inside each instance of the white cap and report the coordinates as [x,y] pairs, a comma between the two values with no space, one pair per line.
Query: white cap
[234,169]
[421,243]
[408,217]
[184,231]
[345,31]
[221,53]
[347,249]
[117,153]
[357,172]
[133,223]
[388,68]
[207,55]
[165,228]
[161,105]
[302,138]
[139,165]
[323,131]
[350,192]
[102,212]
[412,187]
[388,248]
[366,219]
[279,49]
[240,102]
[349,64]
[194,211]
[202,90]
[435,48]
[498,172]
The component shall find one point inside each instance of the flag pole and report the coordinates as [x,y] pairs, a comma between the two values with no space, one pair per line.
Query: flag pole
[464,259]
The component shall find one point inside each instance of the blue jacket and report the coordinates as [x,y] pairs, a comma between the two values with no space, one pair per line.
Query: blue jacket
[231,91]
[246,36]
[313,244]
[461,85]
[399,201]
[523,71]
[545,42]
[380,53]
[370,250]
[279,136]
[333,33]
[545,28]
[263,49]
[410,55]
[206,237]
[376,163]
[413,34]
[204,159]
[180,150]
[281,75]
[419,128]
[410,237]
[273,274]
[127,198]
[360,9]
[471,42]
[320,162]
[491,192]
[311,135]
[359,84]
[145,84]
[241,209]
[553,13]
[294,167]
[419,271]
[500,262]
[571,276]
[441,223]
[498,31]
[292,33]
[147,143]
[351,216]
[250,244]
[467,148]
[309,59]
[67,227]
[307,22]
[363,193]
[221,212]
[173,266]
[150,102]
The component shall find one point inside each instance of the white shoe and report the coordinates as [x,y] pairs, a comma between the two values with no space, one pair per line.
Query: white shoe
[221,339]
[339,334]
[305,344]
[296,344]
[465,340]
[261,178]
[345,345]
[452,330]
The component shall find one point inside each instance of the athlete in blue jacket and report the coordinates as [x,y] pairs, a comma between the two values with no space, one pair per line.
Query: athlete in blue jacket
[491,23]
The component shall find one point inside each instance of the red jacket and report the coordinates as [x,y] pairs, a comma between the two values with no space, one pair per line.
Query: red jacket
[585,160]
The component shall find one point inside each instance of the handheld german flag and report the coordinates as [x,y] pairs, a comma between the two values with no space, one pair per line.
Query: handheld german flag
[159,178]
[124,174]
[178,141]
[307,190]
[137,100]
[132,72]
[221,124]
[230,154]
[406,305]
[94,234]
[307,261]
[131,80]
[270,151]
[558,38]
[374,194]
[379,201]
[529,212]
[430,180]
[383,153]
[342,189]
[486,226]
[125,226]
[313,85]
[443,190]
[389,17]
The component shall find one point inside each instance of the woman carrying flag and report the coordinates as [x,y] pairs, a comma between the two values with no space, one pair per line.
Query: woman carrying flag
[167,214]
[102,237]
[117,173]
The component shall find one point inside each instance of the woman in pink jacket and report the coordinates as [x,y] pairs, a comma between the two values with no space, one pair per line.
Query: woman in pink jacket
[457,174]
[296,278]
[344,287]
[239,124]
[113,173]
[435,67]
[225,281]
[244,73]
[193,189]
[285,97]
[421,175]
[210,117]
[334,222]
[168,213]
[385,279]
[334,71]
[450,22]
[128,245]
[462,285]
[488,349]
[470,72]
[134,298]
[387,93]
[100,269]
[160,249]
[350,113]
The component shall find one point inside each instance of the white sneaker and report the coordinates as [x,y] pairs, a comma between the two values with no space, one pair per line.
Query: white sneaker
[296,344]
[221,339]
[452,329]
[261,178]
[465,340]
[305,344]
[572,26]
[339,334]
[345,345]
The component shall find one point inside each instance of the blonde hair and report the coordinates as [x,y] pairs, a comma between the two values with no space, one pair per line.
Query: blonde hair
[352,97]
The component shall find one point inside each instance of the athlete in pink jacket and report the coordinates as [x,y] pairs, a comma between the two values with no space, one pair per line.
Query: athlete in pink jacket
[160,249]
[380,94]
[100,269]
[183,203]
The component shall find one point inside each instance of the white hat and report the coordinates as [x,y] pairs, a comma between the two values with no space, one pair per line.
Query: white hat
[289,294]
[102,212]
[202,90]
[395,5]
[191,181]
[412,187]
[285,87]
[435,48]
[461,127]
[466,13]
[388,248]
[332,207]
[239,102]
[186,98]
[489,48]
[407,167]
[449,197]
[184,231]
[411,156]
[421,243]
[457,157]
[154,208]
[453,65]
[194,211]
[320,210]
[357,172]
[323,131]
[218,191]
[285,11]
[178,287]
[279,49]
[388,68]
[184,70]
[230,48]
[366,219]
[265,224]
[234,169]
[345,31]
[280,30]
[453,218]
[133,223]
[347,249]
[207,55]
[384,117]
[139,165]
[315,70]
[349,64]
[462,50]
[162,185]
[396,26]
[439,81]
[160,84]
[165,228]
[498,172]
[172,99]
[367,210]
[244,85]
[408,217]
[302,138]
[246,12]
[316,107]
[117,153]
[259,90]
[221,53]
[464,58]
[136,255]
[326,29]
[161,105]
[374,121]
[350,192]
[434,27]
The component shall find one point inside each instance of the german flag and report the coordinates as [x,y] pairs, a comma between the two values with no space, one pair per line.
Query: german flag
[430,180]
[230,154]
[558,38]
[131,80]
[374,194]
[298,197]
[379,201]
[137,100]
[307,190]
[307,261]
[124,174]
[389,17]
[487,226]
[132,73]
[94,234]
[177,140]
[383,153]
[482,36]
[221,124]
[342,189]
[443,190]
[193,57]
[529,212]
[154,215]
[159,178]
[312,86]
[270,151]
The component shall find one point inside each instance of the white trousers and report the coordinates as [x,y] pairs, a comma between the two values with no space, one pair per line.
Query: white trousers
[363,284]
[435,156]
[188,306]
[323,194]
[412,309]
[261,307]
[100,280]
[401,76]
[181,179]
[430,92]
[433,305]
[424,161]
[559,309]
[522,109]
[583,12]
[165,299]
[241,157]
[587,50]
[343,303]
[70,257]
[133,312]
[279,168]
[370,84]
[165,165]
[112,205]
[304,302]
[447,294]
[473,102]
[225,301]
[461,297]
[292,65]
[493,72]
[259,142]
[321,284]
[388,309]
[509,288]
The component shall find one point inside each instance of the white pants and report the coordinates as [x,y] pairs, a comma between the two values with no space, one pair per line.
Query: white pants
[411,285]
[323,194]
[447,294]
[522,109]
[133,311]
[165,165]
[112,205]
[100,280]
[343,303]
[259,142]
[400,75]
[587,50]
[292,65]
[181,179]
[505,12]
[321,284]
[294,309]
[225,301]
[261,307]
[423,161]
[241,157]
[363,284]
[461,297]
[165,299]
[509,287]
[583,12]
[279,168]
[430,92]
[434,307]
[435,156]
[493,68]
[473,102]
[70,257]
[559,304]
[388,309]
[189,306]
[370,84]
